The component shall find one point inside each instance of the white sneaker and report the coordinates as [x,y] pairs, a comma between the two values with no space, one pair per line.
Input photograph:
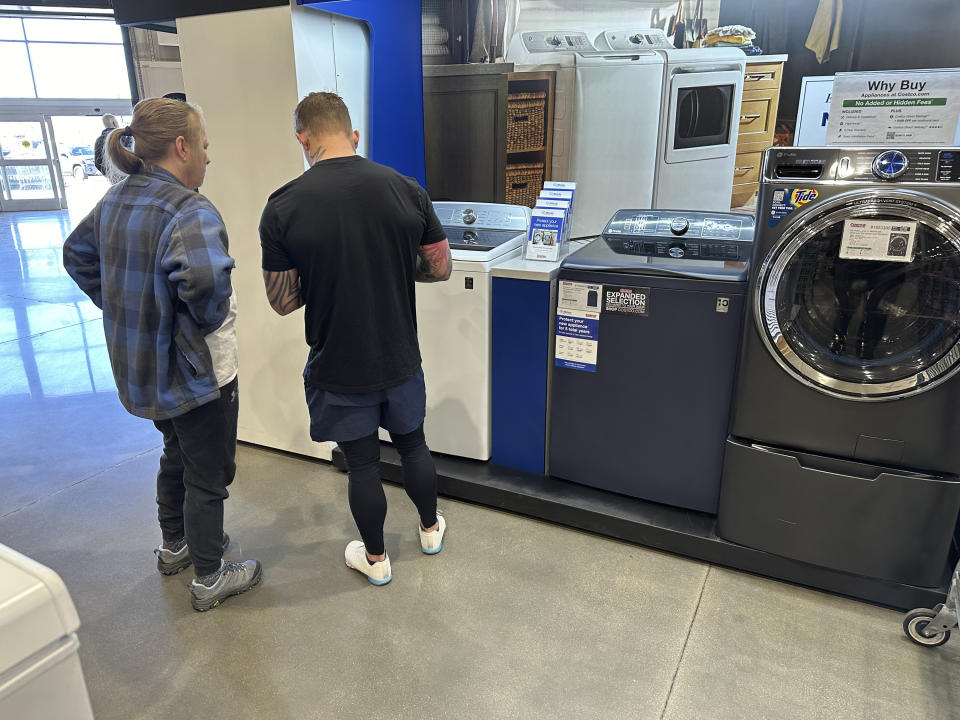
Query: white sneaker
[356,558]
[432,542]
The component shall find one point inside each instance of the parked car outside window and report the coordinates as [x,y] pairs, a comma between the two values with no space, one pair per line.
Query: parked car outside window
[78,163]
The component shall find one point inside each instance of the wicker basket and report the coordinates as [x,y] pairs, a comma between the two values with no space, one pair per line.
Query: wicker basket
[524,183]
[525,121]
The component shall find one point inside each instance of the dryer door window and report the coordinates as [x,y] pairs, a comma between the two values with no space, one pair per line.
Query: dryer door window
[703,116]
[864,329]
[701,123]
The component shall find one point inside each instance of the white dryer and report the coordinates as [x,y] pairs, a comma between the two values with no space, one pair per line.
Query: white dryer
[454,325]
[699,118]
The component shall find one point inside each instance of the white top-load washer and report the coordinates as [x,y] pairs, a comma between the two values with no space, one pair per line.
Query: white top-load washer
[615,124]
[553,50]
[454,324]
[699,120]
[615,135]
[40,674]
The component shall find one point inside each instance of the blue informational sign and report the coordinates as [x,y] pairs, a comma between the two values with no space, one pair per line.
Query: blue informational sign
[577,340]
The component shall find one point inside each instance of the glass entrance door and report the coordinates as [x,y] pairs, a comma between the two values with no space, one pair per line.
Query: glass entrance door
[28,174]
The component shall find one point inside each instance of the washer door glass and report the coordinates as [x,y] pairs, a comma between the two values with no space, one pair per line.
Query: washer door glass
[865,329]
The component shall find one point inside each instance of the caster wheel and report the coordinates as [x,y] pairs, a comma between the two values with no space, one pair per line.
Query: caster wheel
[915,624]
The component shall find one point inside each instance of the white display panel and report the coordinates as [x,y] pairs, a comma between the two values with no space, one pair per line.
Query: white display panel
[240,68]
[332,54]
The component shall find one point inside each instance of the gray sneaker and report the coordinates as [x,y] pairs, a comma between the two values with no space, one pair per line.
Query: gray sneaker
[171,560]
[233,578]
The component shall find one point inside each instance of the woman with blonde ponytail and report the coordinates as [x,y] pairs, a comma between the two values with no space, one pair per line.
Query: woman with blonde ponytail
[153,255]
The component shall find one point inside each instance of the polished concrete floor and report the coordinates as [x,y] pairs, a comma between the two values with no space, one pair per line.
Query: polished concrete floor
[514,619]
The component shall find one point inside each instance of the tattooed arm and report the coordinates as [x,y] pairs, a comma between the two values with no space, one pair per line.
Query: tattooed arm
[283,290]
[434,263]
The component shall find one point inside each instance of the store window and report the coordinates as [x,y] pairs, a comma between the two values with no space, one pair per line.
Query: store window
[53,58]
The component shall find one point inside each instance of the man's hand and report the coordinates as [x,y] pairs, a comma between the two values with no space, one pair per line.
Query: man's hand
[434,263]
[283,290]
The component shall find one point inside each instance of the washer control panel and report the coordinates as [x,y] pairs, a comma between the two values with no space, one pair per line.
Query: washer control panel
[476,216]
[893,165]
[627,40]
[681,234]
[544,41]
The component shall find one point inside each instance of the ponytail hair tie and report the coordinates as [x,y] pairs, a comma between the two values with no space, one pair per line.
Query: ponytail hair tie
[126,132]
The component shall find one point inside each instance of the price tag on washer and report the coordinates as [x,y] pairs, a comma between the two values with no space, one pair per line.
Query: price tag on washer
[882,240]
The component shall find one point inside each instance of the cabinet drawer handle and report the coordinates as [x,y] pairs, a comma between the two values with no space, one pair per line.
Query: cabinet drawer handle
[519,186]
[744,169]
[520,118]
[749,117]
[756,77]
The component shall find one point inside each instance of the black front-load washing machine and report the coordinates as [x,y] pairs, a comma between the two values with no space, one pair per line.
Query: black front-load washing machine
[845,434]
[649,317]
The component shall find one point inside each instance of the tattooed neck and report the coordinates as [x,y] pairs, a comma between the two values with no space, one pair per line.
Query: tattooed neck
[319,153]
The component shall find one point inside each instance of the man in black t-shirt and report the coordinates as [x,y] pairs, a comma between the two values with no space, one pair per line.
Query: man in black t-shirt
[347,240]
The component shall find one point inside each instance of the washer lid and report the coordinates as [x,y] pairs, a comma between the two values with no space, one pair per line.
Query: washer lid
[35,608]
[858,323]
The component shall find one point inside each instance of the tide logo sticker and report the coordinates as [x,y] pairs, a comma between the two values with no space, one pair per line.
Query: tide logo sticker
[802,197]
[786,200]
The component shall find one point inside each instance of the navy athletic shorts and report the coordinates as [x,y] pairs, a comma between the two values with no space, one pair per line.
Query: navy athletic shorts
[341,417]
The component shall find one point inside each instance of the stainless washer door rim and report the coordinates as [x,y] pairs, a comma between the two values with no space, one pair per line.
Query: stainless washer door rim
[935,214]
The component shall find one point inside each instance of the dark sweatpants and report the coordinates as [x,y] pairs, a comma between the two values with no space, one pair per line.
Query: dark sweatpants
[197,465]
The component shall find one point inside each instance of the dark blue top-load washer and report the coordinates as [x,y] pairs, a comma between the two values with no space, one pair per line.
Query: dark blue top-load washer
[649,317]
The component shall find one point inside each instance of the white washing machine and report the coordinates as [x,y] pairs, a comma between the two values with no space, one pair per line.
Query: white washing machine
[615,124]
[40,673]
[454,326]
[699,118]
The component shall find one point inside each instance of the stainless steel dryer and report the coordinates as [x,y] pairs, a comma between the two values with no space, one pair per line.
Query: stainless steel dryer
[845,437]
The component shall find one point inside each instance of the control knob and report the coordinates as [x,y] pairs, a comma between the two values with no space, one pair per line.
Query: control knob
[636,39]
[470,238]
[469,217]
[679,225]
[677,250]
[556,41]
[890,164]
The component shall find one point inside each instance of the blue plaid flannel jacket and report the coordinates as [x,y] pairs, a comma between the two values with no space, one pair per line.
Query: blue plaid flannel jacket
[153,255]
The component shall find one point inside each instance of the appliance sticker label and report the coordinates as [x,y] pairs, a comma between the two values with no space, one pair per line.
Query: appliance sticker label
[578,296]
[632,301]
[578,334]
[786,200]
[878,240]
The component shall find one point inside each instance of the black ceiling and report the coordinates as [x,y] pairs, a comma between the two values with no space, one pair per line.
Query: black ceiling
[138,12]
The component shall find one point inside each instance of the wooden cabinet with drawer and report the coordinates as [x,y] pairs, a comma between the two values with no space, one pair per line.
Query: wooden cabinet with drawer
[758,119]
[758,123]
[762,76]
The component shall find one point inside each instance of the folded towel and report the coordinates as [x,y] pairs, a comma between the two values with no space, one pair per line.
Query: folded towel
[434,50]
[733,30]
[727,39]
[434,34]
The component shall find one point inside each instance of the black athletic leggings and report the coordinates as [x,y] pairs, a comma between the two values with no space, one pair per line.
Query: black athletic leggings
[367,500]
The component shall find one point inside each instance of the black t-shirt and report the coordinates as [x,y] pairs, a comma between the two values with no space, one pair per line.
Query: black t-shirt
[353,229]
